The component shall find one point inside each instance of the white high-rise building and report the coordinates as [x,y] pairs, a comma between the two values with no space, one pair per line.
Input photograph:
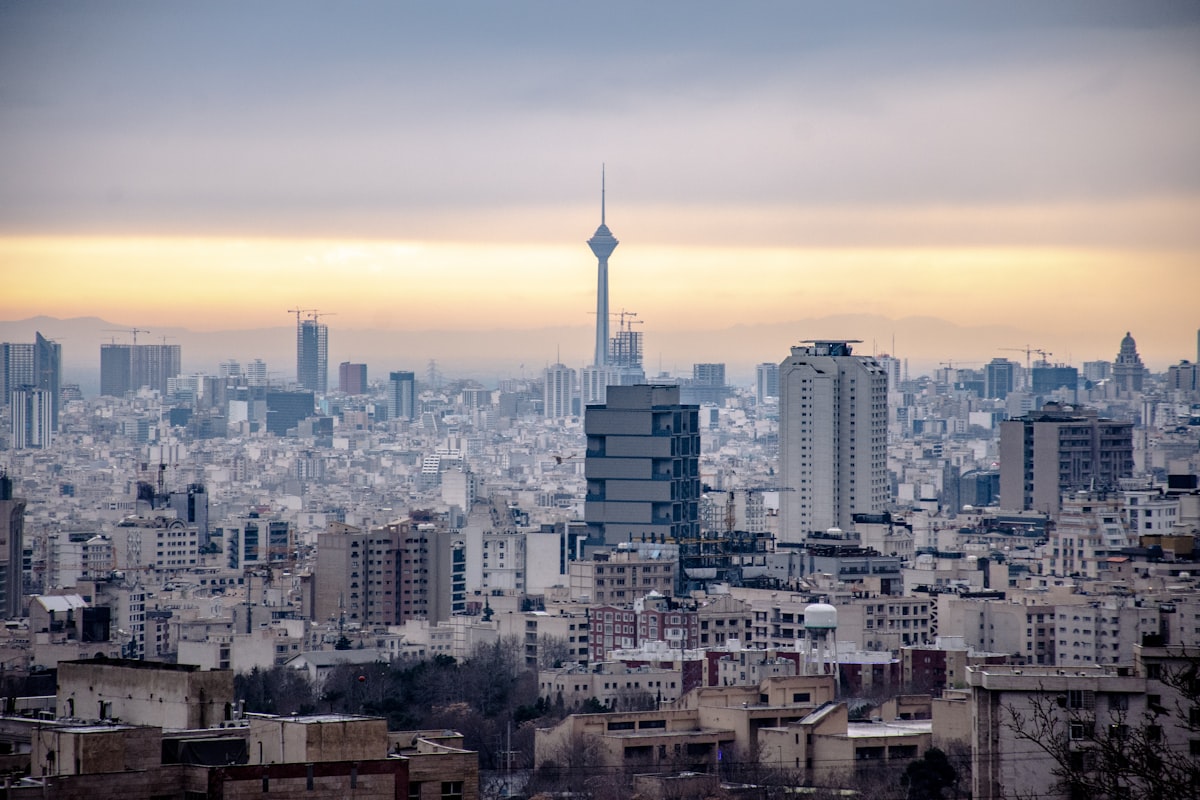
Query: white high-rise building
[229,369]
[32,418]
[832,438]
[256,373]
[594,384]
[559,391]
[891,365]
[766,381]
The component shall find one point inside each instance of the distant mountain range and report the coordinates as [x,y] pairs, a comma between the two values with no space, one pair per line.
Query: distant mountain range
[493,354]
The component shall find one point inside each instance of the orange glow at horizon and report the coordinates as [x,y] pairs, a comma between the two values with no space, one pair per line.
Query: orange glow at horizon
[240,283]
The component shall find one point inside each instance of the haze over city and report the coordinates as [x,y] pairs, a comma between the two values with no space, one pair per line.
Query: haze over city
[543,400]
[961,179]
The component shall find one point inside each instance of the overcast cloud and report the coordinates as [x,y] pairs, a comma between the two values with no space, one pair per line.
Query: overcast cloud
[372,118]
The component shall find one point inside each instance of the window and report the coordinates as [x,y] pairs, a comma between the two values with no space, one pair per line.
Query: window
[1080,730]
[1081,698]
[452,790]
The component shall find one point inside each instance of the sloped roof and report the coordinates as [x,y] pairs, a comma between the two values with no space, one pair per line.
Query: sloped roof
[59,603]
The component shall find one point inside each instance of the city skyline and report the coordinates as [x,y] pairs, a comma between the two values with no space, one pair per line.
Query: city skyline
[1026,168]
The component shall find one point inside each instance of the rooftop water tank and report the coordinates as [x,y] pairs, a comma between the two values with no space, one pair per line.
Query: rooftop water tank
[820,616]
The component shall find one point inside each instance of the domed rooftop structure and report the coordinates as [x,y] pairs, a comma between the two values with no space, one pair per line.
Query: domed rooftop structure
[1128,371]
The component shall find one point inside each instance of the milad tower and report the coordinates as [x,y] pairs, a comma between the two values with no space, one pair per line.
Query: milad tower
[602,244]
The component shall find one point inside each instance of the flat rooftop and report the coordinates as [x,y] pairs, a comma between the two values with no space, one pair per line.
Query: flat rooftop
[131,663]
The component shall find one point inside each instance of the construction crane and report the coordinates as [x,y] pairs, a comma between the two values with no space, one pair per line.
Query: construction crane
[1029,350]
[316,315]
[623,314]
[133,331]
[298,312]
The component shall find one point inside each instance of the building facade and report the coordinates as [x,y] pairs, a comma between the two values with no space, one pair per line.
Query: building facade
[388,575]
[402,395]
[32,418]
[1000,378]
[832,438]
[129,367]
[352,378]
[642,466]
[1128,372]
[1058,449]
[558,393]
[33,366]
[285,410]
[312,355]
[12,526]
[766,381]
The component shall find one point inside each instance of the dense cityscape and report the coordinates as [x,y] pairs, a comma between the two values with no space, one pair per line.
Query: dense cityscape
[470,401]
[694,587]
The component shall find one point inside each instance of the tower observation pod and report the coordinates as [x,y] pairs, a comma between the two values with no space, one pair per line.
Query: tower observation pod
[820,644]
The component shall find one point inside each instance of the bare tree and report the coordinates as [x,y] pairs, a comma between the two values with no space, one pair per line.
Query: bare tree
[553,652]
[762,766]
[571,767]
[1116,753]
[277,690]
[627,699]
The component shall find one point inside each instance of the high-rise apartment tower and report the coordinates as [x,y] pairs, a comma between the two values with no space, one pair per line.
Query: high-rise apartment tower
[352,378]
[129,367]
[32,415]
[999,378]
[832,438]
[35,366]
[766,382]
[402,395]
[559,392]
[1058,449]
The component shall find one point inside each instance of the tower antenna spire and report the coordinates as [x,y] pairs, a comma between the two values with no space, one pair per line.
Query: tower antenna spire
[602,193]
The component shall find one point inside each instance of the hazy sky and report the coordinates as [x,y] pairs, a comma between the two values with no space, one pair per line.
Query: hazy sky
[436,165]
